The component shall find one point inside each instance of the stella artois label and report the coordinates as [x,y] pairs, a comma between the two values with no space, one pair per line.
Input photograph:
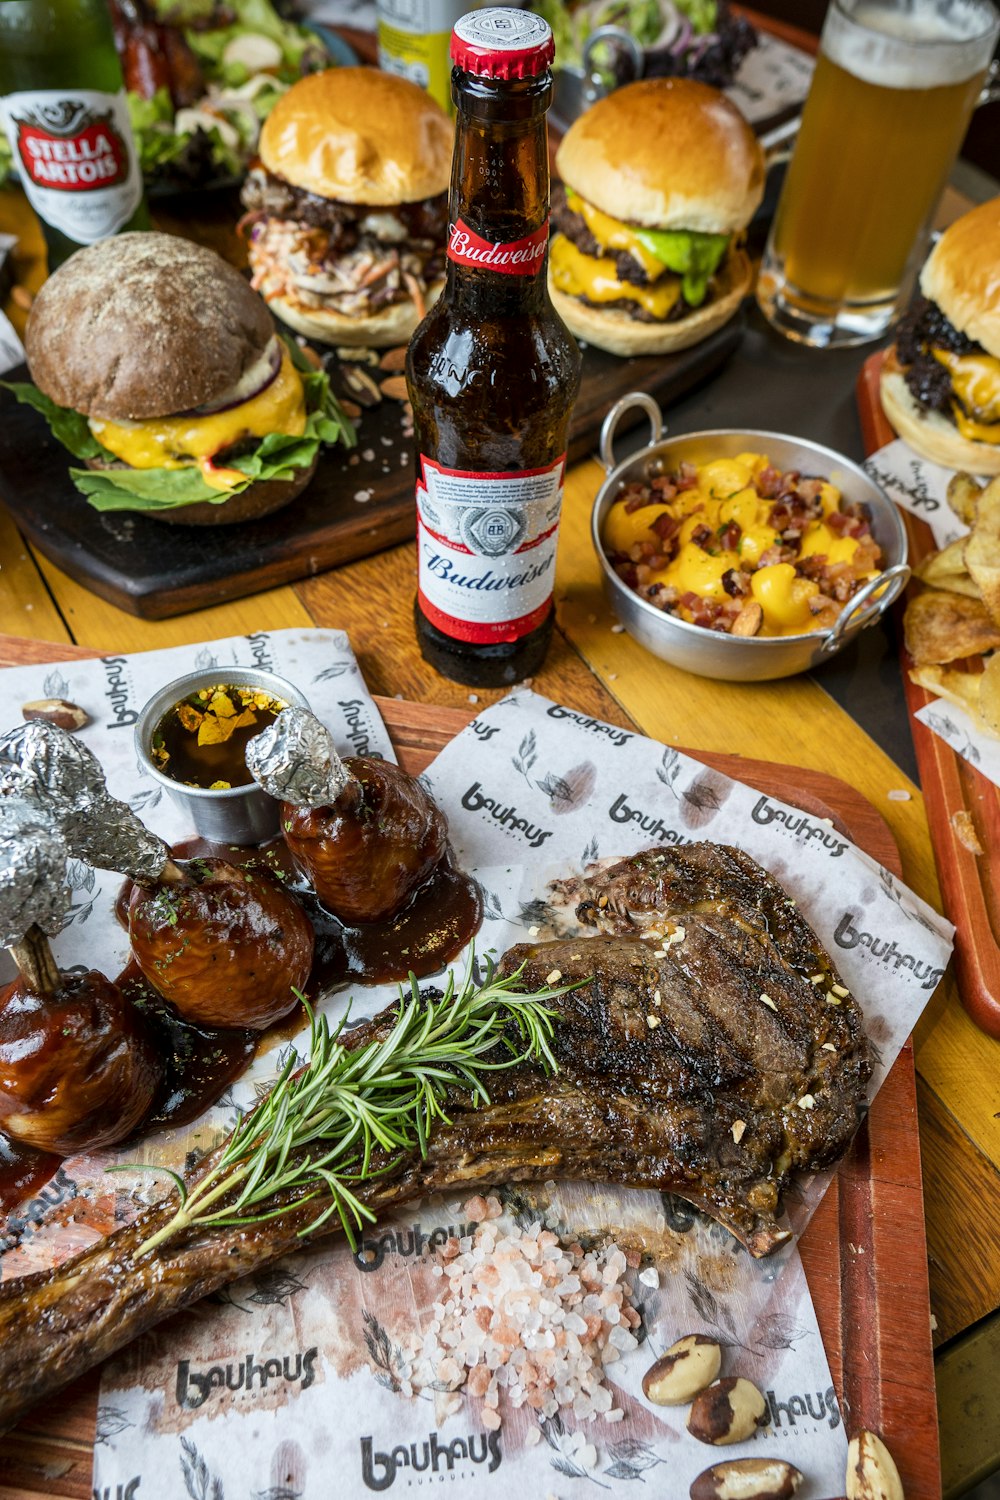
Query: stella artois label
[486,549]
[524,257]
[74,153]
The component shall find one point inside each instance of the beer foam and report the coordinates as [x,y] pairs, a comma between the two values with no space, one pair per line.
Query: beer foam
[927,44]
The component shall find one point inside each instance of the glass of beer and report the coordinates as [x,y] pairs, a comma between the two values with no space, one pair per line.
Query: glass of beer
[894,86]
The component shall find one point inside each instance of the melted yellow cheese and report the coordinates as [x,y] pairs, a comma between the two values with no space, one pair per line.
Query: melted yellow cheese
[596,278]
[976,378]
[184,441]
[784,598]
[624,528]
[610,234]
[755,541]
[818,540]
[694,571]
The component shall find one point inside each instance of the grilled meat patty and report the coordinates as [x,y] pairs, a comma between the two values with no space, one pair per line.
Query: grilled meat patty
[924,327]
[641,1104]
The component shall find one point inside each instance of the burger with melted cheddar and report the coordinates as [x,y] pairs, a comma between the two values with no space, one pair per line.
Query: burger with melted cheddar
[160,369]
[659,180]
[941,378]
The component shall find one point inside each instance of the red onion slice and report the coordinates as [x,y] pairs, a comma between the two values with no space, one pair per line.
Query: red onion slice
[262,373]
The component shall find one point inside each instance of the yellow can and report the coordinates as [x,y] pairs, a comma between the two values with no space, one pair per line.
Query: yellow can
[413,41]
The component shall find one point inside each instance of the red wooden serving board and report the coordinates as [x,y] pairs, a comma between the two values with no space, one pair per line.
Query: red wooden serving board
[865,1252]
[970,883]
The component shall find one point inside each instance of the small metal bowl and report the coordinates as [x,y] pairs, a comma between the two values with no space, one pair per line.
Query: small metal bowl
[235,815]
[712,653]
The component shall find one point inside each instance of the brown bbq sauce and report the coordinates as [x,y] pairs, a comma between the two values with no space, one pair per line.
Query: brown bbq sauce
[200,1063]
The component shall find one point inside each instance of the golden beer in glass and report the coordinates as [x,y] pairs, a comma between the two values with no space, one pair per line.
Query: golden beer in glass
[894,86]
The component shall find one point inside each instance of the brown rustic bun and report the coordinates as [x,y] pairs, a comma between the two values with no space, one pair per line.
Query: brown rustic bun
[612,329]
[143,325]
[261,498]
[930,432]
[962,275]
[667,153]
[359,136]
[384,329]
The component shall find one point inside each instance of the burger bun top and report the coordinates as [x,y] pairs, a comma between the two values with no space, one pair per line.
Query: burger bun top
[962,275]
[359,136]
[667,153]
[143,325]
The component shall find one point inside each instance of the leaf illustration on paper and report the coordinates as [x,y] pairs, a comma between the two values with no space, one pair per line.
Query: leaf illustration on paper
[526,755]
[288,1054]
[702,1297]
[383,1354]
[554,1433]
[591,852]
[79,877]
[536,913]
[631,1459]
[111,1420]
[703,798]
[942,725]
[970,752]
[55,685]
[271,1288]
[146,799]
[555,788]
[204,659]
[895,894]
[198,1479]
[335,669]
[524,1211]
[668,769]
[491,905]
[777,1330]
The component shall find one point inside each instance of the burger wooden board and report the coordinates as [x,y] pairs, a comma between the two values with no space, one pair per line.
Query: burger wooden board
[356,504]
[865,1251]
[970,883]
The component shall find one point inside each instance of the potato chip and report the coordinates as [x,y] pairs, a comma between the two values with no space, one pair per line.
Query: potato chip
[942,627]
[989,695]
[963,497]
[960,688]
[947,570]
[982,550]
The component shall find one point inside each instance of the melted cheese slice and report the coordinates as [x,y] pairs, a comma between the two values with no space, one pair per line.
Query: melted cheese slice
[184,441]
[976,378]
[694,571]
[611,234]
[580,275]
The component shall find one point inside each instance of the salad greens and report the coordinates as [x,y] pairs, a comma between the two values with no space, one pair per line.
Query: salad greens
[646,20]
[253,18]
[277,456]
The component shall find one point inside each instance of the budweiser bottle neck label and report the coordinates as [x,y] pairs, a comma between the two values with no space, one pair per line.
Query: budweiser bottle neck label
[486,549]
[523,257]
[73,150]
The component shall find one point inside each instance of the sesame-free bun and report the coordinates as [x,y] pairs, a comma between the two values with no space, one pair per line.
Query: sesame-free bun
[667,153]
[962,275]
[359,136]
[143,325]
[384,329]
[931,433]
[612,329]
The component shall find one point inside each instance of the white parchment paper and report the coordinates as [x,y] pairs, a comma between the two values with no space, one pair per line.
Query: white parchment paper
[287,1386]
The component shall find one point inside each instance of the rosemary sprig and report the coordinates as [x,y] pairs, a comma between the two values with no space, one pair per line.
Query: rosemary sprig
[317,1129]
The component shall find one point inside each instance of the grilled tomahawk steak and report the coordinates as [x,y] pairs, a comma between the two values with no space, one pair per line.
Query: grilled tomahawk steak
[660,1054]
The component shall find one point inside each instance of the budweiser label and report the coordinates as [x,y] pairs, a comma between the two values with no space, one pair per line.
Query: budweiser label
[74,153]
[486,549]
[524,257]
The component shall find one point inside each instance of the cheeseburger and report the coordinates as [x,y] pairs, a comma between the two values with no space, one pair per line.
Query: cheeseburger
[659,179]
[159,368]
[347,206]
[941,378]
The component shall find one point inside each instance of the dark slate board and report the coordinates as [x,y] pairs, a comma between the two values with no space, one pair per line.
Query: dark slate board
[357,503]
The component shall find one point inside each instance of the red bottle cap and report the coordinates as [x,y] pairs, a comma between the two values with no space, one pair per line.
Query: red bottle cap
[502,43]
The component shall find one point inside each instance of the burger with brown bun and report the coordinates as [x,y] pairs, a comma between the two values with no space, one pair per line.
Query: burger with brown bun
[160,369]
[941,378]
[347,207]
[659,179]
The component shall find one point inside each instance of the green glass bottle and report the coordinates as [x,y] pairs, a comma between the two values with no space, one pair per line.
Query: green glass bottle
[62,103]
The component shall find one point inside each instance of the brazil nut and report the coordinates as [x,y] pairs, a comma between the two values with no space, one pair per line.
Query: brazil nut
[747,1479]
[730,1411]
[688,1366]
[871,1471]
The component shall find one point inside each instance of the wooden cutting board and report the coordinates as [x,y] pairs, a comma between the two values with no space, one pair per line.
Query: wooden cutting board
[357,502]
[969,882]
[865,1252]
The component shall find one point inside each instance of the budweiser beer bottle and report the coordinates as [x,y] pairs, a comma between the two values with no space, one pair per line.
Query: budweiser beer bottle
[492,372]
[63,105]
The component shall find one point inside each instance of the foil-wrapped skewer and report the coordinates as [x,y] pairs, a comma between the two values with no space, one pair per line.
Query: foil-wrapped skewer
[34,892]
[295,760]
[63,782]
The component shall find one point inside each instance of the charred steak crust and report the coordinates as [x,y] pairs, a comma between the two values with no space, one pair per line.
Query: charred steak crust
[263,192]
[922,329]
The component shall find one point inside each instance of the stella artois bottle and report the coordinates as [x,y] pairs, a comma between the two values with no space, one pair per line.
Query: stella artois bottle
[63,106]
[492,372]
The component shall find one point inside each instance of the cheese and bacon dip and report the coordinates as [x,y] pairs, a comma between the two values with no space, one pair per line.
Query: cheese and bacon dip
[737,546]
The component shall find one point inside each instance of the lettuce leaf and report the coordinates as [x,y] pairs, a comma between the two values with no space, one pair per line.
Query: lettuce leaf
[253,18]
[694,257]
[277,456]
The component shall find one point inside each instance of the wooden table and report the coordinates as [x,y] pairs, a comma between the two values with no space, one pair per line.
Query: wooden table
[607,674]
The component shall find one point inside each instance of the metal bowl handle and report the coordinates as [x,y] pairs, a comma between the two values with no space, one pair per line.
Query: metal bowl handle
[617,39]
[892,582]
[609,426]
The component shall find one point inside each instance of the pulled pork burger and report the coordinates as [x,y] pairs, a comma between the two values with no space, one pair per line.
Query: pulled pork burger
[941,379]
[159,368]
[659,179]
[347,207]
